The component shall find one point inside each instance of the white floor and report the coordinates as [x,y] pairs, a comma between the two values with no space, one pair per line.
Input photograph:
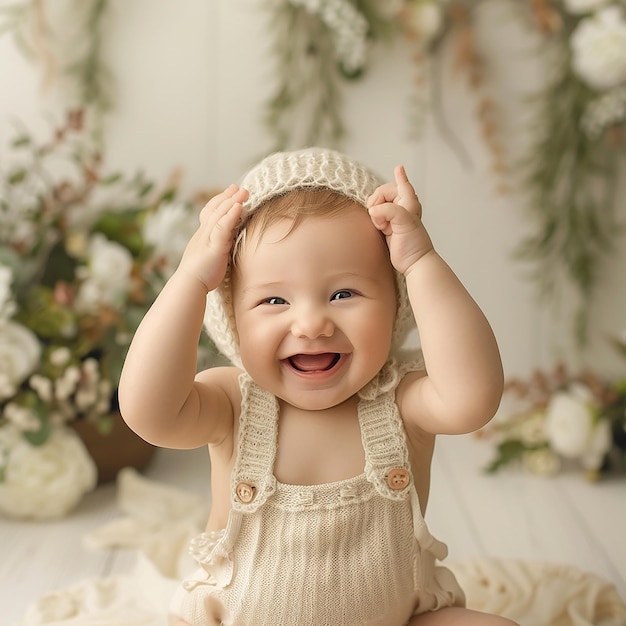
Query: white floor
[563,520]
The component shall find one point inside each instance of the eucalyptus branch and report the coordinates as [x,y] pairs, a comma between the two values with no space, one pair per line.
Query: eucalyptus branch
[307,97]
[94,79]
[571,188]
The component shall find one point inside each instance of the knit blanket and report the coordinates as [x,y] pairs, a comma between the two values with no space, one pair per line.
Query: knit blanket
[158,521]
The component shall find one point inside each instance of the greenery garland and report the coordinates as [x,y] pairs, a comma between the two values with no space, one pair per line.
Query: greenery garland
[571,175]
[571,169]
[571,184]
[570,172]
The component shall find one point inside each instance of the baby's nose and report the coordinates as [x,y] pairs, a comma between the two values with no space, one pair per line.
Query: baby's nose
[311,324]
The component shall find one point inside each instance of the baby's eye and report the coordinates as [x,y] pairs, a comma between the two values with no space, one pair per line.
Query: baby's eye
[342,294]
[274,300]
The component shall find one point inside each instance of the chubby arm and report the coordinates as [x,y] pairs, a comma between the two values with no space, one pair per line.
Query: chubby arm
[463,385]
[160,396]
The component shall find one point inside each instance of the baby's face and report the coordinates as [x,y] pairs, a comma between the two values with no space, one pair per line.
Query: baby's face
[315,307]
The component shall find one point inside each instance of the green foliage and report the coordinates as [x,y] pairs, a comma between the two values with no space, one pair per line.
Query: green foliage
[507,452]
[72,319]
[570,182]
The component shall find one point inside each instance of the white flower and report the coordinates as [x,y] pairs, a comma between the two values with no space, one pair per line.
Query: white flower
[598,445]
[426,20]
[569,420]
[168,230]
[42,386]
[579,7]
[349,28]
[19,356]
[7,304]
[541,462]
[66,384]
[23,418]
[532,430]
[572,428]
[60,356]
[107,276]
[599,49]
[604,111]
[47,481]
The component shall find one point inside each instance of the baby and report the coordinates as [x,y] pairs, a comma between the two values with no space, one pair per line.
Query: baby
[308,277]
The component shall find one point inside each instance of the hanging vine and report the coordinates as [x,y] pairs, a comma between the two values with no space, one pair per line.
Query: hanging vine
[578,123]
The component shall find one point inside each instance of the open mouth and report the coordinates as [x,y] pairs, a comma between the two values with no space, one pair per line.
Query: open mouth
[308,363]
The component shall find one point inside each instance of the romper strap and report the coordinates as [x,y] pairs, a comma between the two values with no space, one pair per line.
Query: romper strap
[252,478]
[387,464]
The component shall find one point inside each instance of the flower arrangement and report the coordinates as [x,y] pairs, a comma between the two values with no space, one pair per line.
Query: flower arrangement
[82,257]
[558,419]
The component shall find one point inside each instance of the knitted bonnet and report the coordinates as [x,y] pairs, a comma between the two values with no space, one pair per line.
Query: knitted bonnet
[276,175]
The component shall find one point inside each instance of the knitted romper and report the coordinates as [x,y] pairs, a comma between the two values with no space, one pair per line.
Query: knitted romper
[353,552]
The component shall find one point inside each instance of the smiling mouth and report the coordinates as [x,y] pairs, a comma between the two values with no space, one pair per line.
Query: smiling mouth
[312,363]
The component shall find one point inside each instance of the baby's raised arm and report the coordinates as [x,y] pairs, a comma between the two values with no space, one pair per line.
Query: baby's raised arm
[464,380]
[159,395]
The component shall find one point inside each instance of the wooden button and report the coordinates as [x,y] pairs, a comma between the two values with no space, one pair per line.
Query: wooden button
[245,492]
[398,478]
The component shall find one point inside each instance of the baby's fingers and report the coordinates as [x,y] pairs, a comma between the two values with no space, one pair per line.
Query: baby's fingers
[400,192]
[407,197]
[385,193]
[391,218]
[223,230]
[220,204]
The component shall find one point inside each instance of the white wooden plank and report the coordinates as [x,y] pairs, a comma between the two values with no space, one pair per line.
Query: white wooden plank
[446,515]
[42,556]
[563,519]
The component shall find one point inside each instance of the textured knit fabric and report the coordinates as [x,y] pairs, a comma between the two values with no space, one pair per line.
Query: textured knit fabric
[276,175]
[350,553]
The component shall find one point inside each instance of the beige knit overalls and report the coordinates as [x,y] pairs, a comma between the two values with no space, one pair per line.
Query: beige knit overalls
[353,552]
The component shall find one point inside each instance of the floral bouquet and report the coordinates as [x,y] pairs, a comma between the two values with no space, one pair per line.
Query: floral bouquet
[82,257]
[557,418]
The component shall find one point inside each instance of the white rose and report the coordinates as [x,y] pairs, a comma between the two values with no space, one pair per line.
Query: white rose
[569,421]
[47,481]
[578,7]
[573,430]
[426,20]
[598,445]
[107,275]
[7,303]
[168,230]
[599,49]
[19,356]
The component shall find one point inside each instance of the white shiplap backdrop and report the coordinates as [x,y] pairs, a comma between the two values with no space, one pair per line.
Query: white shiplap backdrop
[191,79]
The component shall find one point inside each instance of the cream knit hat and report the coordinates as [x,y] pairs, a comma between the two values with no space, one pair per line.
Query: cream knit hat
[278,174]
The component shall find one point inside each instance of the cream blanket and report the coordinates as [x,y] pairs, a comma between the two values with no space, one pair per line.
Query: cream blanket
[159,521]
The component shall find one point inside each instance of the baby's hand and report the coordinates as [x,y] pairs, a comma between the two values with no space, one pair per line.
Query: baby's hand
[207,253]
[396,211]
